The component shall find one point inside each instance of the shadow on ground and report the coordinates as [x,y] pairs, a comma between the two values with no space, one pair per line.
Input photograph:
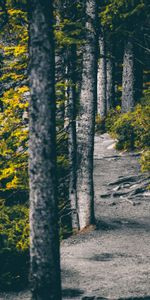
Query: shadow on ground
[123,223]
[130,298]
[136,298]
[72,293]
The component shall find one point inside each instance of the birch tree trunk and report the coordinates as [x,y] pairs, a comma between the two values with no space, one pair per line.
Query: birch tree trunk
[102,79]
[44,239]
[86,124]
[72,145]
[128,78]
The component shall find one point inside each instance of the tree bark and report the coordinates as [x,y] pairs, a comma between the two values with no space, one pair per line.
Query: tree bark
[102,79]
[60,87]
[72,145]
[128,78]
[60,75]
[110,90]
[44,239]
[86,123]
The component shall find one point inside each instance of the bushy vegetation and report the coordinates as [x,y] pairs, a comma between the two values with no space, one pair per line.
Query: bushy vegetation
[132,130]
[14,246]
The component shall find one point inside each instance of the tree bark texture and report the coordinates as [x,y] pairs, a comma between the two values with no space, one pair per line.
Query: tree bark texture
[102,79]
[60,86]
[86,123]
[110,90]
[128,78]
[72,145]
[44,239]
[59,77]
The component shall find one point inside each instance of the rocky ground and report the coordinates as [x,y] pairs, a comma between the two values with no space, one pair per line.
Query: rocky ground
[111,261]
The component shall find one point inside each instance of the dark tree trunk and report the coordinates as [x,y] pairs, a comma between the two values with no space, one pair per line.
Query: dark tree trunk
[60,77]
[110,91]
[102,79]
[44,239]
[86,123]
[60,87]
[128,79]
[72,147]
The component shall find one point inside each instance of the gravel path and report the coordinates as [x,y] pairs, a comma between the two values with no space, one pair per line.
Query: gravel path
[112,261]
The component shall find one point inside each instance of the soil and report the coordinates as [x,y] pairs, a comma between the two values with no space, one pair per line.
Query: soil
[112,259]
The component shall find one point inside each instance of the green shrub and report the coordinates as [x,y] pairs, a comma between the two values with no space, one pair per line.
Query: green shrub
[132,131]
[145,161]
[14,245]
[112,117]
[100,124]
[124,130]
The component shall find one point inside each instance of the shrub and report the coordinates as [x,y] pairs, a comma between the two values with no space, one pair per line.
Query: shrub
[112,117]
[124,130]
[14,244]
[145,161]
[132,131]
[100,124]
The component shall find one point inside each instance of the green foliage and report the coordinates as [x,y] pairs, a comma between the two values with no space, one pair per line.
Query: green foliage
[145,161]
[132,131]
[124,130]
[112,116]
[100,124]
[120,15]
[14,140]
[14,243]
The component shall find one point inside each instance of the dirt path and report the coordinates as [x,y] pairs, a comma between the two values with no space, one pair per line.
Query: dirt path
[113,261]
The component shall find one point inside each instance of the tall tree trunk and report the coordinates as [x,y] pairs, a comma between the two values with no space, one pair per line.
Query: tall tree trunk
[102,79]
[60,87]
[128,79]
[72,146]
[44,239]
[86,124]
[60,75]
[110,91]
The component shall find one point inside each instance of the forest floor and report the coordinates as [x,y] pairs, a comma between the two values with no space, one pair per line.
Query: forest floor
[111,261]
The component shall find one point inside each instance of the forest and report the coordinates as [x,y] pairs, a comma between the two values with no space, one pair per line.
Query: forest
[71,72]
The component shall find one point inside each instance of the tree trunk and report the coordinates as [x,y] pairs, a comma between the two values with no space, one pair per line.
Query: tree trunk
[110,91]
[60,86]
[59,76]
[86,124]
[72,147]
[102,79]
[44,239]
[128,79]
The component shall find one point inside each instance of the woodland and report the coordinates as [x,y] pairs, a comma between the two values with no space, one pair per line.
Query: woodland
[68,69]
